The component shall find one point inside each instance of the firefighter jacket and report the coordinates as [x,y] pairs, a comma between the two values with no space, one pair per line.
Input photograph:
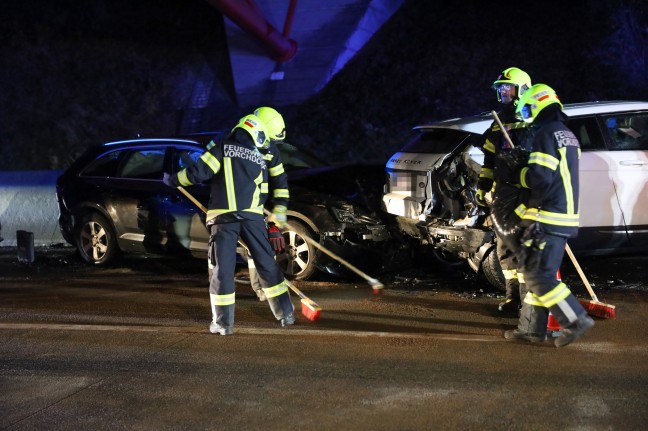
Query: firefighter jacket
[494,143]
[239,178]
[551,175]
[277,178]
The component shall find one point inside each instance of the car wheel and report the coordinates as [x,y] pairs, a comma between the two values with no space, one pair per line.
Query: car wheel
[298,262]
[447,258]
[96,240]
[493,271]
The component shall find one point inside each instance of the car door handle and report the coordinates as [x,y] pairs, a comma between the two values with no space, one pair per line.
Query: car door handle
[632,163]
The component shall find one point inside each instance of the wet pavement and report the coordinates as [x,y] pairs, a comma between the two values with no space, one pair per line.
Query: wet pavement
[127,347]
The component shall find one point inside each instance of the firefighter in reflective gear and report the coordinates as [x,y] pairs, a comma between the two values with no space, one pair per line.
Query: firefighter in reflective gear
[549,216]
[239,189]
[509,86]
[278,181]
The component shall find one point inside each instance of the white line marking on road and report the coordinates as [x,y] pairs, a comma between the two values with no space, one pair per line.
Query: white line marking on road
[248,331]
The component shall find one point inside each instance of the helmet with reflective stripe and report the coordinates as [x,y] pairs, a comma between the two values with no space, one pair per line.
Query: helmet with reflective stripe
[274,121]
[256,129]
[513,76]
[534,100]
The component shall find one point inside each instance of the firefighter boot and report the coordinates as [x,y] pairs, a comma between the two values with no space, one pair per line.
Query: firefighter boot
[215,328]
[532,325]
[573,331]
[288,320]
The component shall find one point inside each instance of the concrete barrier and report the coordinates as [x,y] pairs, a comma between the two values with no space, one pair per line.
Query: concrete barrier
[28,202]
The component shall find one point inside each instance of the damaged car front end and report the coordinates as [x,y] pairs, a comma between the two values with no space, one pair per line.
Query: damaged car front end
[431,192]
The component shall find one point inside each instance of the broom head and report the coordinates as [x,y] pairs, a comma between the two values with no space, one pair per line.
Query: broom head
[310,310]
[599,309]
[376,285]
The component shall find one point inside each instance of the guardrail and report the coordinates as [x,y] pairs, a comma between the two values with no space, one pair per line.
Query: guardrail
[28,203]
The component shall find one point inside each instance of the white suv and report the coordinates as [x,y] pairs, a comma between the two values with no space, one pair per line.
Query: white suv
[431,185]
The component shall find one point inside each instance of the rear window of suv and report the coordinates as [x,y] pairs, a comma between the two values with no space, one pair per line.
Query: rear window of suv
[437,141]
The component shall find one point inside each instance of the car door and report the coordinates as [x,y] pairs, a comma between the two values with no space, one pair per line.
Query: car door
[186,220]
[602,227]
[626,137]
[135,199]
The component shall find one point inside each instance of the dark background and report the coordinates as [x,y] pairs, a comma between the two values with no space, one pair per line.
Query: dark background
[75,73]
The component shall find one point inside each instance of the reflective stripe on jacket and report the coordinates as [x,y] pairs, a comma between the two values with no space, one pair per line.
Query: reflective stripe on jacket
[238,174]
[551,176]
[277,177]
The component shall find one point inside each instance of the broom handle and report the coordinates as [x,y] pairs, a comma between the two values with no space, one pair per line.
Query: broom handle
[580,272]
[567,248]
[336,257]
[506,135]
[192,199]
[298,292]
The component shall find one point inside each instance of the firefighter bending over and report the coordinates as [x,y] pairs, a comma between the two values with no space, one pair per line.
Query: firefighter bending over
[239,188]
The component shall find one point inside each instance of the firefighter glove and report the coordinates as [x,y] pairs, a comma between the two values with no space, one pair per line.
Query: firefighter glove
[532,244]
[480,197]
[276,238]
[278,216]
[166,178]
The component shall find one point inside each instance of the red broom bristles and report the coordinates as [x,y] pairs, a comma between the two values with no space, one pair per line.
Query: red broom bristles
[599,309]
[310,311]
[309,308]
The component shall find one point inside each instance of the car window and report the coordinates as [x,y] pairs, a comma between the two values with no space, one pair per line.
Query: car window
[627,131]
[437,141]
[588,133]
[143,164]
[104,166]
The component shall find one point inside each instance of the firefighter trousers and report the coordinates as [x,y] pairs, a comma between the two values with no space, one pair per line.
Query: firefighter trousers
[223,243]
[544,292]
[508,262]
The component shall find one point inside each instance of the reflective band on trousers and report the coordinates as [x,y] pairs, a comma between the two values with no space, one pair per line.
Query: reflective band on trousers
[510,274]
[556,295]
[222,299]
[271,292]
[531,299]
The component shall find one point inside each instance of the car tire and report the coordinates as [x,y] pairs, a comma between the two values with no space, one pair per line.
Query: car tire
[95,240]
[492,270]
[298,262]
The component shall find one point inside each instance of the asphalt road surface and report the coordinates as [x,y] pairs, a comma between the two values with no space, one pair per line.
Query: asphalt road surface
[128,348]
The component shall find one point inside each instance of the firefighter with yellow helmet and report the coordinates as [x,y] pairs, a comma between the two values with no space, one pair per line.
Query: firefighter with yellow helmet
[548,215]
[278,182]
[509,86]
[239,179]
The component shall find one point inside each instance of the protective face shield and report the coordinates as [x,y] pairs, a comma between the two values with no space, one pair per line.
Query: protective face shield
[255,128]
[515,77]
[274,122]
[534,100]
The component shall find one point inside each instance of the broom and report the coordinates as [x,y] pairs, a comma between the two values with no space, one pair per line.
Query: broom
[376,285]
[593,307]
[309,308]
